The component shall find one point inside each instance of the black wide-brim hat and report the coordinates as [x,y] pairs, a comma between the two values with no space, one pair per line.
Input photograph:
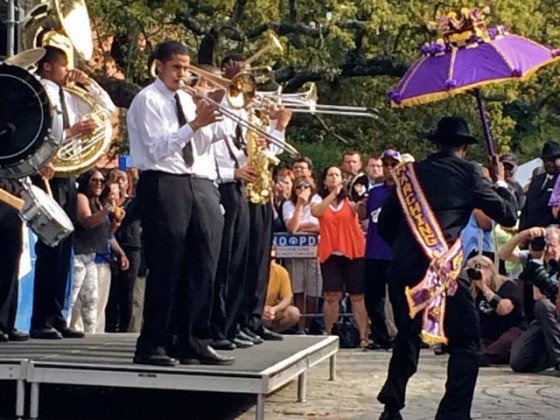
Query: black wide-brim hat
[452,131]
[551,149]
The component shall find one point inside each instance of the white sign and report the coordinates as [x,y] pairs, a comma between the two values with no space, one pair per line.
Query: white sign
[297,245]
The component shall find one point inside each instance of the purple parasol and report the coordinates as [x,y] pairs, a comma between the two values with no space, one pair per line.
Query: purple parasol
[467,57]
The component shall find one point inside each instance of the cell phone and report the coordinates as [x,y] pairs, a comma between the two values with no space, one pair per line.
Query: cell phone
[115,189]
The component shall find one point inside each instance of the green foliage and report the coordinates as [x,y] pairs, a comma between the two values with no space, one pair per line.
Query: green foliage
[325,36]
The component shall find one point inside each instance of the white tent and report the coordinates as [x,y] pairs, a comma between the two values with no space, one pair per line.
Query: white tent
[525,171]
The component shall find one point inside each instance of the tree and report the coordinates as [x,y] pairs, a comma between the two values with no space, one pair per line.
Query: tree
[355,51]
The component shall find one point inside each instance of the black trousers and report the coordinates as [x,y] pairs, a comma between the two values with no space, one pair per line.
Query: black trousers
[258,264]
[181,226]
[10,251]
[232,266]
[463,331]
[53,265]
[375,282]
[204,240]
[119,306]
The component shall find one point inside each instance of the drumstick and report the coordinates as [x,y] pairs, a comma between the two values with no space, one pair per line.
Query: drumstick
[11,200]
[47,187]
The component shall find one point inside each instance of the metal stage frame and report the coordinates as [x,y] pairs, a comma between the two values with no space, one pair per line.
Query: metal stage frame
[105,360]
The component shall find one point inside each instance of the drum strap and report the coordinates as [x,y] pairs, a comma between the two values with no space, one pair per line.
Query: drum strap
[429,295]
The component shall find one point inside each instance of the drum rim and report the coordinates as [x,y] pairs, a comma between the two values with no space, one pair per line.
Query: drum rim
[40,94]
[40,197]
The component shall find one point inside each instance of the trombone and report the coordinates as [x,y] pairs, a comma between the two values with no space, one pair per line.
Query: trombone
[306,102]
[240,92]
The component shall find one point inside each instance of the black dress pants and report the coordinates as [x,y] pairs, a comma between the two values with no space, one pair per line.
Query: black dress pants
[165,202]
[204,239]
[53,265]
[182,227]
[232,266]
[258,264]
[10,251]
[463,331]
[119,306]
[375,282]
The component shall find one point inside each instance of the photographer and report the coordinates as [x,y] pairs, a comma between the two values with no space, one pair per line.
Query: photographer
[499,309]
[539,270]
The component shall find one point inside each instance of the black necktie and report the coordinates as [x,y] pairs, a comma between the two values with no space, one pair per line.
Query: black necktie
[238,138]
[187,150]
[64,109]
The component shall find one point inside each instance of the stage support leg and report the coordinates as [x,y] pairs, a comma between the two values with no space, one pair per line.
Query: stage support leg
[332,367]
[302,387]
[20,398]
[34,401]
[260,406]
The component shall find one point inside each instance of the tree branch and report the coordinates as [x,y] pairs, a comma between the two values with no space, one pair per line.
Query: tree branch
[238,12]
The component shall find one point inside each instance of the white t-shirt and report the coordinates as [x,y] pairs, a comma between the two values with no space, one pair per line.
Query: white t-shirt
[288,210]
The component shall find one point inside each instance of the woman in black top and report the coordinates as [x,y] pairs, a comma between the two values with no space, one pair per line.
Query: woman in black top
[499,308]
[128,235]
[92,234]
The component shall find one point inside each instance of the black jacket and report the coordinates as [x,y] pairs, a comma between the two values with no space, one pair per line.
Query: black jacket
[536,211]
[454,188]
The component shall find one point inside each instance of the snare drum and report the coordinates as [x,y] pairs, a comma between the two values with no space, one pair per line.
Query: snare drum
[30,128]
[44,216]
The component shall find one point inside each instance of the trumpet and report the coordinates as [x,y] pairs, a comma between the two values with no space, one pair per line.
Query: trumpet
[306,102]
[273,44]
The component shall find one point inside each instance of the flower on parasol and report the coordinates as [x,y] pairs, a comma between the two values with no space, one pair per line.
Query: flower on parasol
[467,56]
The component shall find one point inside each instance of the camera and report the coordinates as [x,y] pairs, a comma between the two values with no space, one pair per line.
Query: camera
[538,243]
[474,273]
[536,274]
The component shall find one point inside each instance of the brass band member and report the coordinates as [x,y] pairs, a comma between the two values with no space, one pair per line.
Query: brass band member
[10,252]
[53,264]
[249,314]
[162,122]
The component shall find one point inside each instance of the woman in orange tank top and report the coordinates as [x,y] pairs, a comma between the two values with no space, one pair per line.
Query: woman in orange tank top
[340,251]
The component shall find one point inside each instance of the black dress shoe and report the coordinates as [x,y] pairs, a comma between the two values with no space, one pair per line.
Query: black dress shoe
[16,335]
[248,335]
[70,333]
[222,344]
[4,338]
[390,415]
[45,334]
[242,344]
[154,360]
[208,356]
[268,335]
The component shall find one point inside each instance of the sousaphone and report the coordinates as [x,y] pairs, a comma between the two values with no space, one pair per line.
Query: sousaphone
[69,17]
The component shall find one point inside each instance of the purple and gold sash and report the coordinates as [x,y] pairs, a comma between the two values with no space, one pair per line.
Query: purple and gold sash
[430,294]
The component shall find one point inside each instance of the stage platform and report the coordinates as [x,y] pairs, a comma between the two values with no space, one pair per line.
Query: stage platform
[105,360]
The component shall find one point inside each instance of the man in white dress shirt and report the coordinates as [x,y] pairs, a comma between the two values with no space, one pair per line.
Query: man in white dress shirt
[162,122]
[247,239]
[52,266]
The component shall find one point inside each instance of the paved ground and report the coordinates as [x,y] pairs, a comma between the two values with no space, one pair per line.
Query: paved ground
[500,393]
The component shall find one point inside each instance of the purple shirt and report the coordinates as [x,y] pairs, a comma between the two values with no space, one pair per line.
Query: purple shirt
[376,248]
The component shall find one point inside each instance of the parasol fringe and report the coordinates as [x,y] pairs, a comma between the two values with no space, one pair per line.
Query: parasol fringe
[437,96]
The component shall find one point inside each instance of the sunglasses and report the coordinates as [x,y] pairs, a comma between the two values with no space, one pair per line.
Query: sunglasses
[300,186]
[97,180]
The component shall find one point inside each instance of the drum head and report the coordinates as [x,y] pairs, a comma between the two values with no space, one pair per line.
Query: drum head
[24,114]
